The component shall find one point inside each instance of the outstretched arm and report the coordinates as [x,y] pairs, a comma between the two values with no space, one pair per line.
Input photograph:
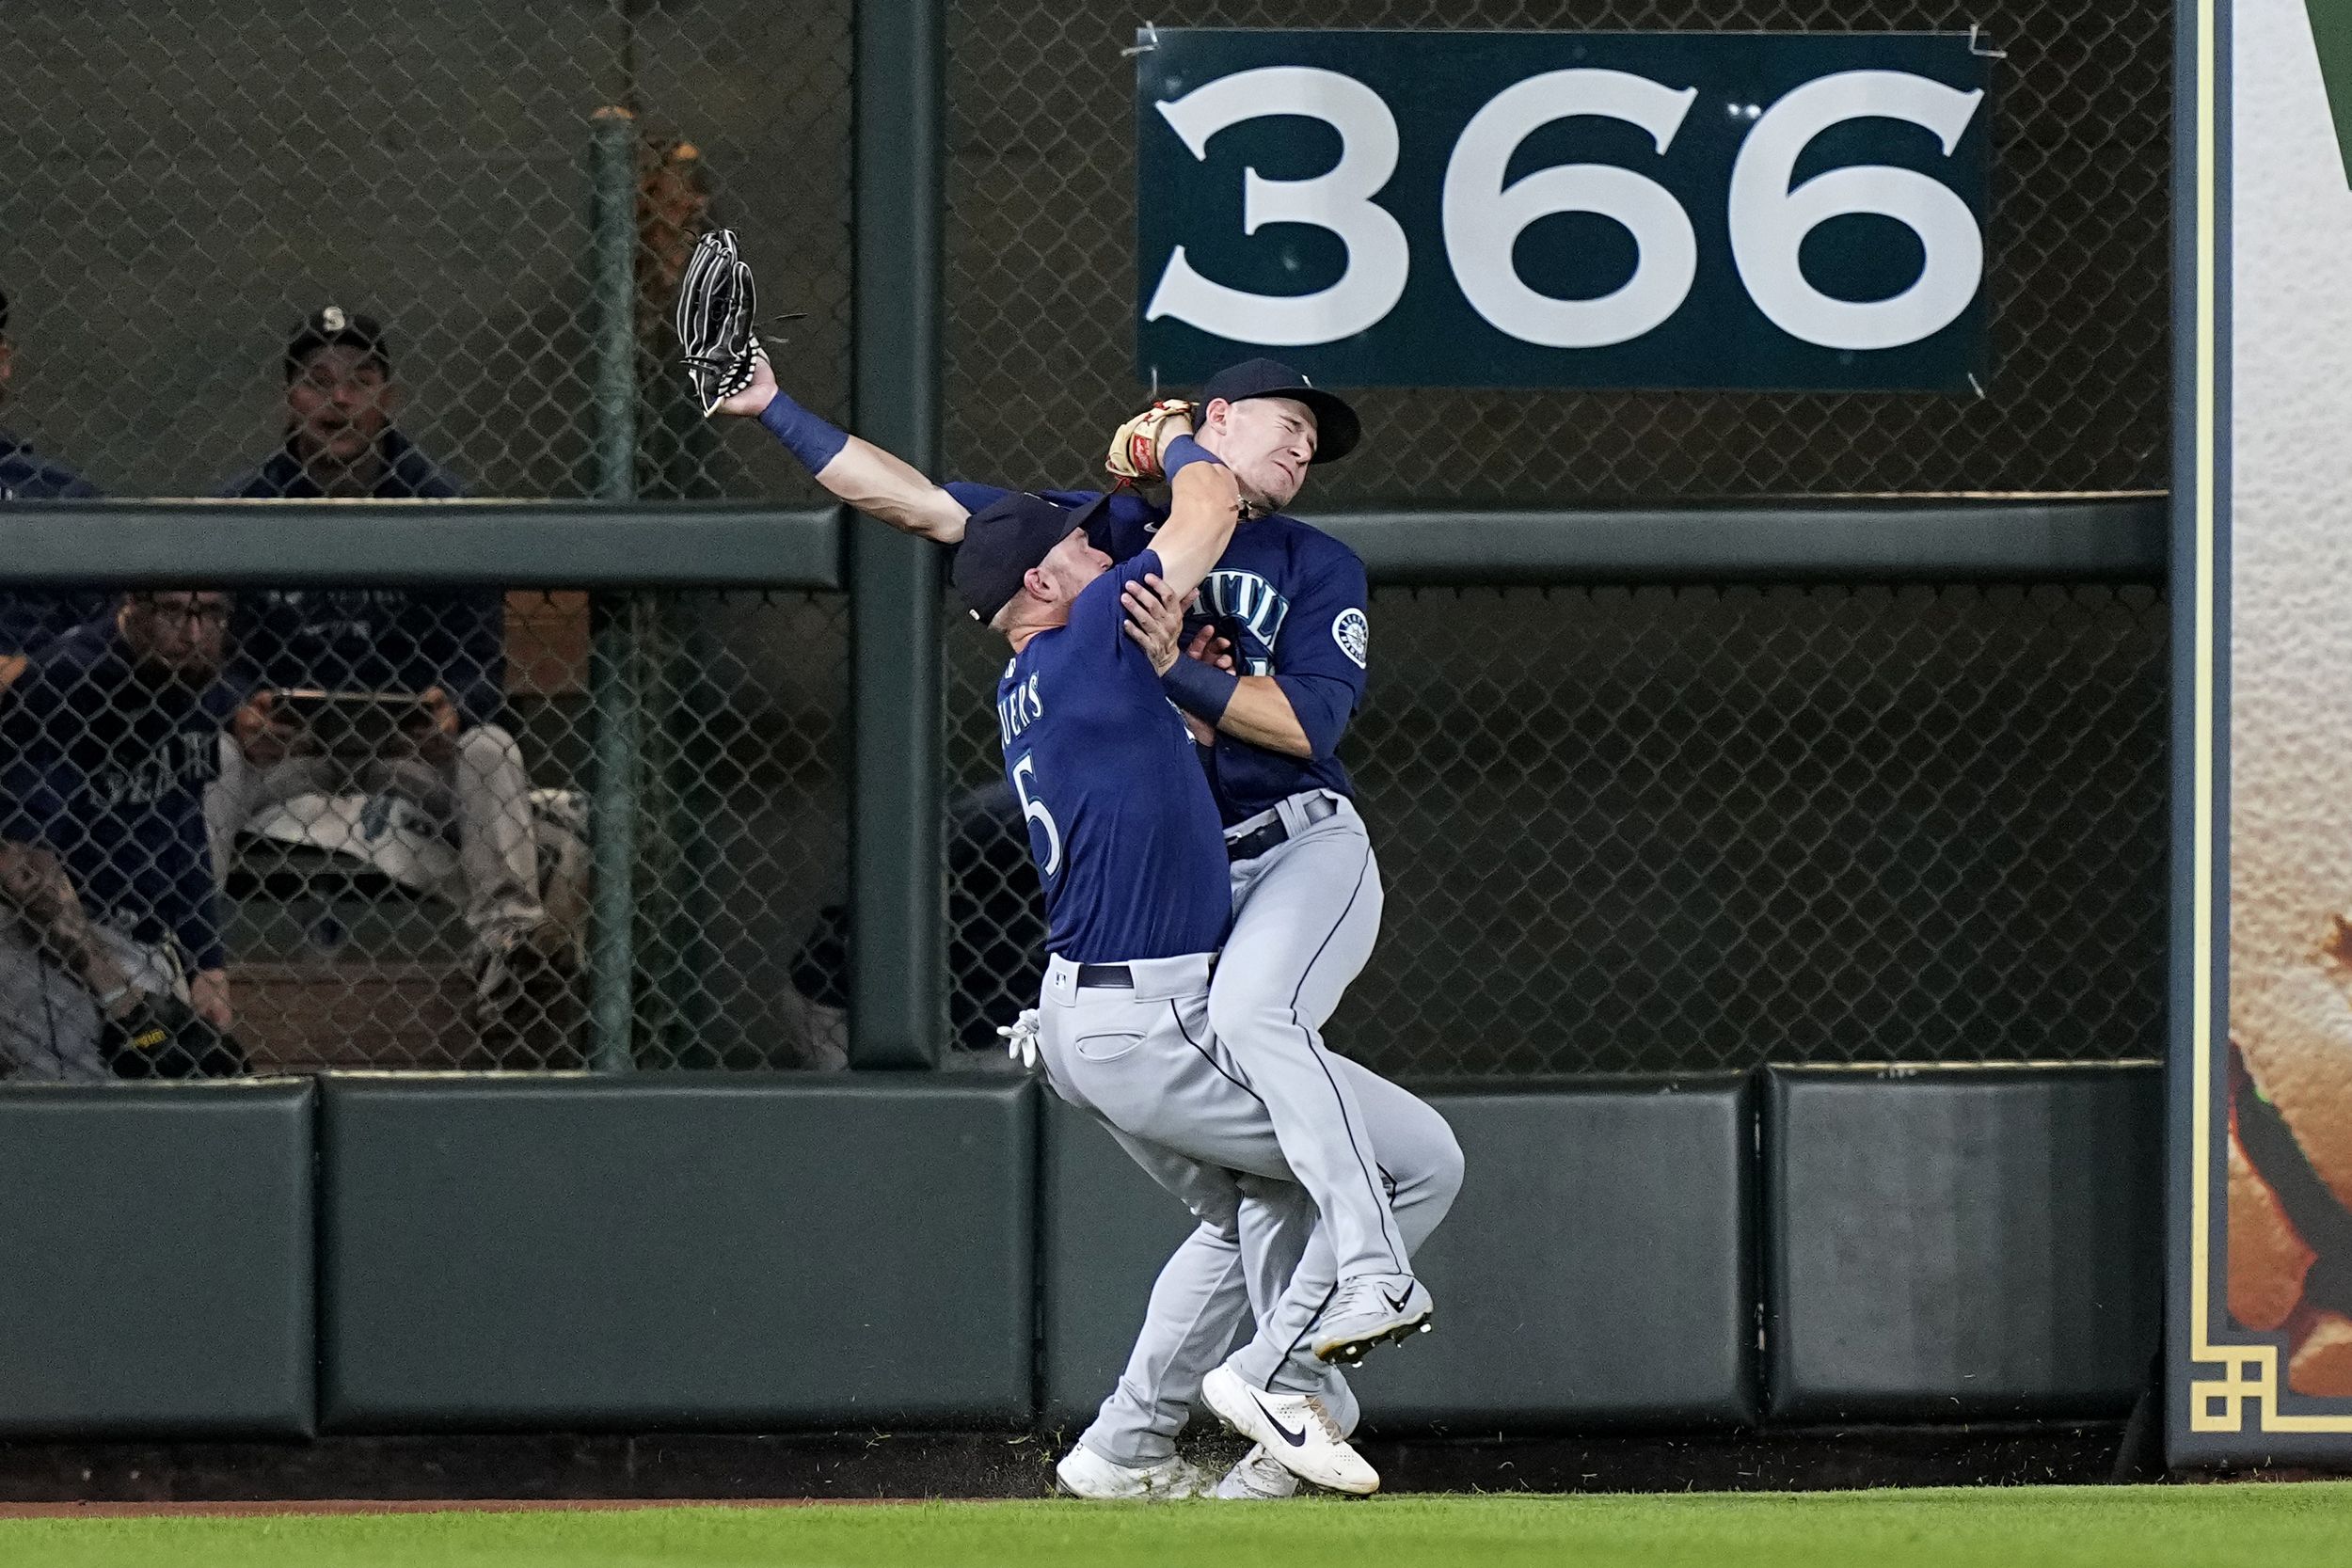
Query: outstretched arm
[1204,503]
[876,482]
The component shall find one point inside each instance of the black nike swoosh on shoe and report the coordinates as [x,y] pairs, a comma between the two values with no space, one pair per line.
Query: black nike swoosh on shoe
[1396,1304]
[1296,1439]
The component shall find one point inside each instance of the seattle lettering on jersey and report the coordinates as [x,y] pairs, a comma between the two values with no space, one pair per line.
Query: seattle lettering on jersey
[1252,601]
[188,757]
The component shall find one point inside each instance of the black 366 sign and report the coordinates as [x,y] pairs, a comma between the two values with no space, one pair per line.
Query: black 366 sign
[1702,209]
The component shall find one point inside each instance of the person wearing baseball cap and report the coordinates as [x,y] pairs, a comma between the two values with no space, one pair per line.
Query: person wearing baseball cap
[341,440]
[444,647]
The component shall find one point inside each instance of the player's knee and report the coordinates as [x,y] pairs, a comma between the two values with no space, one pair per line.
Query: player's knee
[1443,1179]
[1242,1020]
[1223,1231]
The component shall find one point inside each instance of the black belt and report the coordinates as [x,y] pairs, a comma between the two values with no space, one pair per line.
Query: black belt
[1116,976]
[1273,836]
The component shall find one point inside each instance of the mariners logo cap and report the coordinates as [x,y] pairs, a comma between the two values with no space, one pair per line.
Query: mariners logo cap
[1007,537]
[332,327]
[1337,428]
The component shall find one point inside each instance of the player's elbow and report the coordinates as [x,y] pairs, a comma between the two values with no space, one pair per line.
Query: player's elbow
[1318,737]
[1317,719]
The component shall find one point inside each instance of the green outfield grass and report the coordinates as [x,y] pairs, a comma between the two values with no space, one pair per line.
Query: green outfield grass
[2264,1526]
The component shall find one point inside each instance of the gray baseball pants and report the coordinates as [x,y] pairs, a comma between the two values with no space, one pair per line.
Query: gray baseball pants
[1144,1059]
[1306,914]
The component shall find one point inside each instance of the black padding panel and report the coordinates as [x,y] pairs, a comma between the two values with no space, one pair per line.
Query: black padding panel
[155,1260]
[1597,1270]
[681,1252]
[1960,1242]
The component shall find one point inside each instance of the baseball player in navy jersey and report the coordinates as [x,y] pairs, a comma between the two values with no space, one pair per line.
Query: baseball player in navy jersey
[1117,806]
[1305,884]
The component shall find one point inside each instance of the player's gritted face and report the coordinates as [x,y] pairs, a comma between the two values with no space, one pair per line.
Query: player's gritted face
[176,636]
[1267,442]
[338,404]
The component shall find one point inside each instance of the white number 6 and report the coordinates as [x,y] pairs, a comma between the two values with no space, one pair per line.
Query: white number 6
[1483,217]
[1769,221]
[1024,776]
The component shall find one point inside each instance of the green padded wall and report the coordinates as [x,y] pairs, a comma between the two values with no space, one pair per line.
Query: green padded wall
[681,1252]
[1596,1270]
[1945,1244]
[157,1244]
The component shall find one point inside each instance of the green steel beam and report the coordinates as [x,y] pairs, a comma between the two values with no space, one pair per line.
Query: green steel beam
[2122,537]
[614,693]
[558,544]
[896,895]
[393,544]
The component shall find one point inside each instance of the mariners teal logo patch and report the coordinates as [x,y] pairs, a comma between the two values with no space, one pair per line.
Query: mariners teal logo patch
[1353,633]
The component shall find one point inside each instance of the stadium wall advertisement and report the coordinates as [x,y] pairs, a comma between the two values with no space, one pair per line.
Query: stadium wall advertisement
[2261,1315]
[1802,212]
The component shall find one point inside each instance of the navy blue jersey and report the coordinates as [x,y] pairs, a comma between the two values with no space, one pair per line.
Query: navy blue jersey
[380,640]
[1291,598]
[1125,836]
[27,476]
[107,767]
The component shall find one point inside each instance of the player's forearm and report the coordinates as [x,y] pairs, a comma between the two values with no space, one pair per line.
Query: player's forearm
[1260,714]
[888,489]
[1204,506]
[879,484]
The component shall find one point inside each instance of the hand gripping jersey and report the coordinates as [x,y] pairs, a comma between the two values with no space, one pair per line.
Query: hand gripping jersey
[1125,836]
[1293,600]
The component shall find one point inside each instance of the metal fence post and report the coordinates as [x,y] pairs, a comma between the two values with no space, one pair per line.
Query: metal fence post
[613,960]
[897,951]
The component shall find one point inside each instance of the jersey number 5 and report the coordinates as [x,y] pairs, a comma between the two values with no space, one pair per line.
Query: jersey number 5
[1024,782]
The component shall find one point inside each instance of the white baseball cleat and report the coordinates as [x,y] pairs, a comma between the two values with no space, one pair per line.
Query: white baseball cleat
[1296,1431]
[1370,1310]
[1086,1474]
[1257,1477]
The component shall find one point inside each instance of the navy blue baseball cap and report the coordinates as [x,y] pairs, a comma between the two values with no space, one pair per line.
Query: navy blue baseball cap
[1337,428]
[332,327]
[1007,536]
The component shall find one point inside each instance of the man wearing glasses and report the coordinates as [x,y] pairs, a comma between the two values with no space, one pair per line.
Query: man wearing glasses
[107,742]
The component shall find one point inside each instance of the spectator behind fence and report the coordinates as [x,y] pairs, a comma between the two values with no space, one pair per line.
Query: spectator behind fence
[29,617]
[445,648]
[108,739]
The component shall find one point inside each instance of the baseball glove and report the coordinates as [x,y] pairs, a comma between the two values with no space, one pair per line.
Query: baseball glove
[716,320]
[1135,452]
[163,1037]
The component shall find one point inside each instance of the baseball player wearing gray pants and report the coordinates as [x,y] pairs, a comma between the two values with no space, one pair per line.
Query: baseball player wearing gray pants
[1115,806]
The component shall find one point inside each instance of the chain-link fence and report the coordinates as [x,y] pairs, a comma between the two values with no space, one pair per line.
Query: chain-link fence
[423,829]
[1042,290]
[189,178]
[1684,828]
[1681,828]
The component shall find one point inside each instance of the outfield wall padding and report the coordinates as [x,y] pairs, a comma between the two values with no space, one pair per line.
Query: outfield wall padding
[708,1253]
[1596,1270]
[155,1248]
[1951,1243]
